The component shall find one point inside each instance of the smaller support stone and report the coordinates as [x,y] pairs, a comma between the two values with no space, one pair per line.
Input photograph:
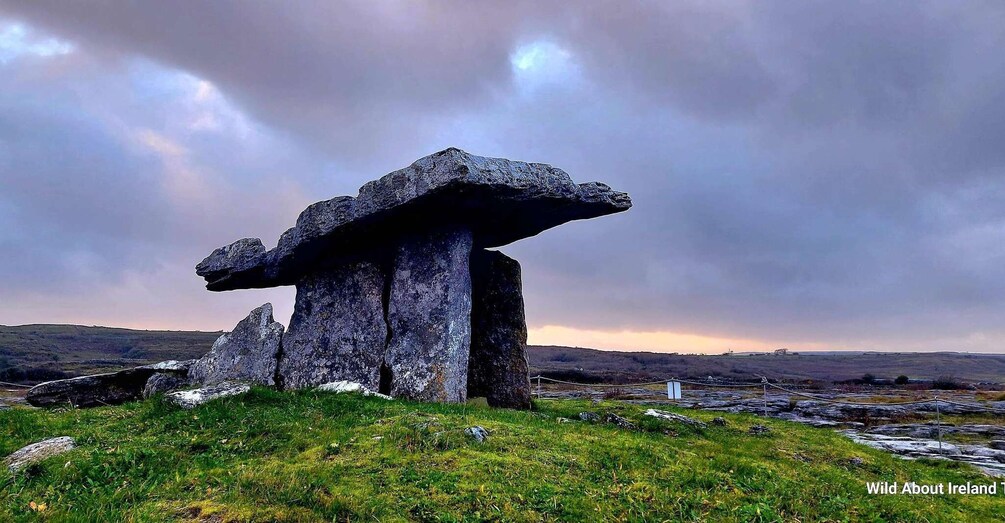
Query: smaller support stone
[337,332]
[429,316]
[248,353]
[498,367]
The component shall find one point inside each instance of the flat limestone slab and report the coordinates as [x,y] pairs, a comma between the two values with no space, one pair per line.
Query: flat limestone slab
[499,200]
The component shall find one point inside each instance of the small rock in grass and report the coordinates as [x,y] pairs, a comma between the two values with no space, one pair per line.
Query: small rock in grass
[188,399]
[856,461]
[759,429]
[614,419]
[589,416]
[350,386]
[662,414]
[719,422]
[37,452]
[563,420]
[478,433]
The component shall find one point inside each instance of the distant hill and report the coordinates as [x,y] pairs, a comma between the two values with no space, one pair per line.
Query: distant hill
[597,365]
[31,353]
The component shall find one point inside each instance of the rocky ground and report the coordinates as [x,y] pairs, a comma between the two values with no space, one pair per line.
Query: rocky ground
[969,430]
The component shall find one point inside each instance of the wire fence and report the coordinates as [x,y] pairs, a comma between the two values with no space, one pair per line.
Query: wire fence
[21,385]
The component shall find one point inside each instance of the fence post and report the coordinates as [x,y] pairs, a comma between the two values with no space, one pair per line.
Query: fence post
[938,423]
[764,383]
[538,385]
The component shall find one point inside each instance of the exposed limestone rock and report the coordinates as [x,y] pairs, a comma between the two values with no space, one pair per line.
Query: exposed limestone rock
[161,383]
[497,368]
[500,200]
[37,452]
[339,387]
[589,416]
[337,331]
[670,416]
[614,419]
[188,399]
[429,316]
[248,353]
[102,389]
[478,433]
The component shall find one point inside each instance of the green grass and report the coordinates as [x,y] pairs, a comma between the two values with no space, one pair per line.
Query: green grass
[309,456]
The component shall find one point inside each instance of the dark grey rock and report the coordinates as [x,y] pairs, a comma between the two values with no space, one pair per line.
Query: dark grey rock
[37,452]
[758,430]
[497,367]
[997,444]
[338,331]
[162,382]
[589,416]
[719,422]
[101,389]
[188,399]
[499,200]
[248,353]
[478,433]
[614,419]
[241,257]
[429,317]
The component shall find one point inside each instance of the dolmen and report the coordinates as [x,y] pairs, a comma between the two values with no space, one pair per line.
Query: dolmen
[399,288]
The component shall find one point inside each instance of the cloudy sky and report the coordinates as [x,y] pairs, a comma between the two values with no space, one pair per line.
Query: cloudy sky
[814,174]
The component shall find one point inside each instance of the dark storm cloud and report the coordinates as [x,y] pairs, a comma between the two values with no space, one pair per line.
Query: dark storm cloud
[812,171]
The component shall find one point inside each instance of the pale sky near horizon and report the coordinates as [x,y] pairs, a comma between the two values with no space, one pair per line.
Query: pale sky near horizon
[813,175]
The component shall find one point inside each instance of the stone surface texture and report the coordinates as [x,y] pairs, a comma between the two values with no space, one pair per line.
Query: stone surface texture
[161,383]
[188,399]
[338,331]
[429,311]
[101,389]
[679,418]
[248,353]
[499,200]
[37,452]
[497,366]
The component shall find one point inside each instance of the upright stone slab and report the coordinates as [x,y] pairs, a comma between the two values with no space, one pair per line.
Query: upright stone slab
[337,332]
[248,353]
[498,367]
[429,315]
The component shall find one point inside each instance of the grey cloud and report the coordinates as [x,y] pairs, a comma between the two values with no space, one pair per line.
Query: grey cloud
[816,171]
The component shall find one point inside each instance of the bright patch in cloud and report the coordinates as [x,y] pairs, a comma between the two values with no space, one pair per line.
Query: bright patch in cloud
[16,41]
[543,63]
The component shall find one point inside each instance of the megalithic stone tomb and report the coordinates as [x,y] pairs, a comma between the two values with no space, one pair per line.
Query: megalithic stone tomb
[396,289]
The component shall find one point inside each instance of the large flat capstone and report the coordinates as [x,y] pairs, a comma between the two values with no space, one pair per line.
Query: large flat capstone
[498,200]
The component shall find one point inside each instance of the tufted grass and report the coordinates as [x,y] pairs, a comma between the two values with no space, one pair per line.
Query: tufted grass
[308,456]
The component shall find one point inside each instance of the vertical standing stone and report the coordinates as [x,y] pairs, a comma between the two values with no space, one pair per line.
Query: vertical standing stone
[247,353]
[498,367]
[337,331]
[429,315]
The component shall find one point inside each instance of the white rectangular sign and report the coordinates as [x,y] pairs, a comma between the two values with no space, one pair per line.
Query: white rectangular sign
[673,390]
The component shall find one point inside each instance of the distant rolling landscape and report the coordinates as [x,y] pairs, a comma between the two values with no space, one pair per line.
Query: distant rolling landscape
[34,353]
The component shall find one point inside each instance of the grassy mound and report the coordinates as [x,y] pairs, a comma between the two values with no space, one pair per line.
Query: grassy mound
[311,456]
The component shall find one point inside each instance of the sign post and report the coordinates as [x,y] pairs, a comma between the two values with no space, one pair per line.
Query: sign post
[673,390]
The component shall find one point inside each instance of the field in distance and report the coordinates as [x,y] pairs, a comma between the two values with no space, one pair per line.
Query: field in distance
[33,353]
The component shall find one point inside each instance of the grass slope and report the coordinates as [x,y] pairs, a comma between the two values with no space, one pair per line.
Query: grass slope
[311,456]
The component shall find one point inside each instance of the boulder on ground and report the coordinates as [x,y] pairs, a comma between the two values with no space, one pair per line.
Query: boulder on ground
[670,416]
[248,353]
[162,383]
[339,387]
[188,399]
[102,389]
[37,452]
[478,433]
